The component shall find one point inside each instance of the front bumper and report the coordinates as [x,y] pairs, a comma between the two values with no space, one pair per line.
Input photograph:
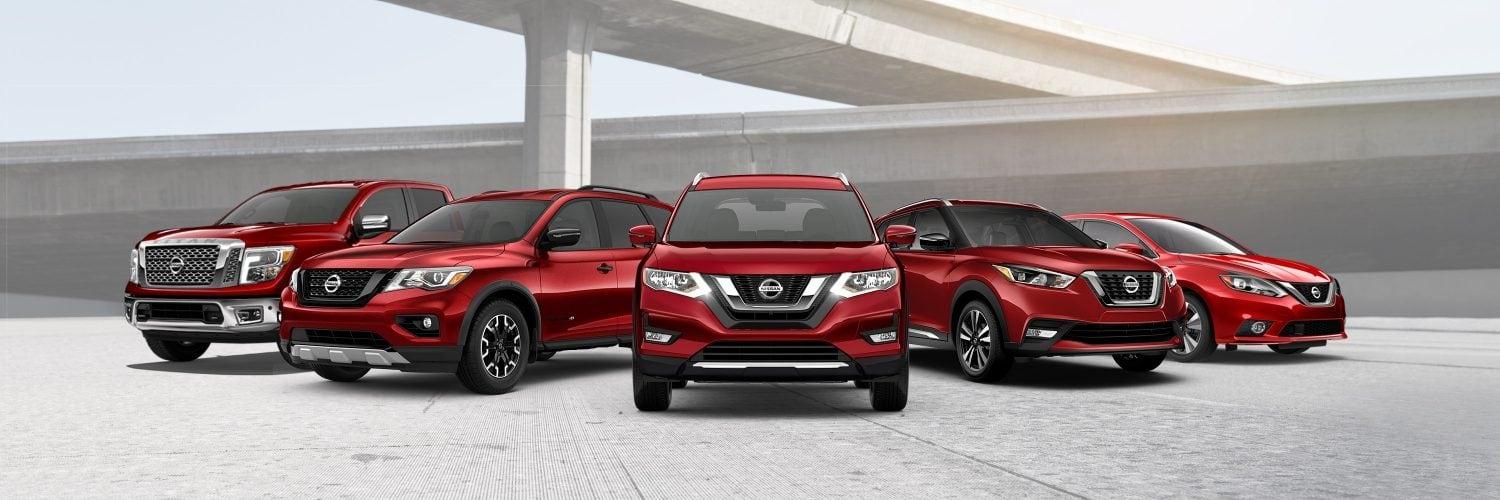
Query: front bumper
[1288,319]
[1076,309]
[240,320]
[397,348]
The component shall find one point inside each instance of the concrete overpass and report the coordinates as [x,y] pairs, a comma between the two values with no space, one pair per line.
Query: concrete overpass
[1390,184]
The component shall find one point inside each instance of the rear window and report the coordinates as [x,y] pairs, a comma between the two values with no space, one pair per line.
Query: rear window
[790,215]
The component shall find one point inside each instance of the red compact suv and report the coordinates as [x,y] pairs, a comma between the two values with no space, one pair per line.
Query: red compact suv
[195,286]
[769,278]
[478,288]
[995,281]
[1234,296]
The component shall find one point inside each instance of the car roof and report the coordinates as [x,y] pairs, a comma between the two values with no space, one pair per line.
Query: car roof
[354,183]
[554,194]
[931,202]
[1122,215]
[771,181]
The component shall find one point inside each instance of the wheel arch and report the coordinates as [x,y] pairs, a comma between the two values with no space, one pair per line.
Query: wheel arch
[974,289]
[517,294]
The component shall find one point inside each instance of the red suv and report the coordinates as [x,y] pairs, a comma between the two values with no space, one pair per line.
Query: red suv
[995,281]
[769,278]
[478,288]
[1234,296]
[195,286]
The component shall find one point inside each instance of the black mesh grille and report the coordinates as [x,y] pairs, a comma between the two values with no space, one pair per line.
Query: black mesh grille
[1310,328]
[350,282]
[770,351]
[190,312]
[232,267]
[1313,292]
[345,338]
[195,265]
[1117,286]
[748,287]
[1104,334]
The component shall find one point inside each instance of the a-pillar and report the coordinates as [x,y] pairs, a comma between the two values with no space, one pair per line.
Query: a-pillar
[559,46]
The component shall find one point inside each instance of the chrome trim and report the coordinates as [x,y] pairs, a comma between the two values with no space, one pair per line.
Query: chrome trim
[1291,289]
[945,203]
[725,288]
[270,315]
[225,246]
[843,178]
[699,177]
[924,333]
[346,355]
[732,365]
[1156,290]
[369,222]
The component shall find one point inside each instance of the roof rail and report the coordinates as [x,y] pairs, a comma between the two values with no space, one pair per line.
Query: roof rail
[919,202]
[600,187]
[699,177]
[842,177]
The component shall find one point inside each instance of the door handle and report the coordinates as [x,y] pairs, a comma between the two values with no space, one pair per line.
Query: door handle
[605,268]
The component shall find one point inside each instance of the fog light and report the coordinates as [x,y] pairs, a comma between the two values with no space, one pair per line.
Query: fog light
[422,326]
[1040,333]
[250,315]
[1253,328]
[881,337]
[427,323]
[659,337]
[1258,327]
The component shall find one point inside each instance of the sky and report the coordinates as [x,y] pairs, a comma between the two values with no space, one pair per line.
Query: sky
[73,69]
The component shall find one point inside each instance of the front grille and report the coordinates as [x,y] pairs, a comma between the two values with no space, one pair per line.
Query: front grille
[1105,334]
[195,265]
[232,267]
[351,282]
[748,287]
[1314,293]
[1116,285]
[344,338]
[1311,328]
[770,351]
[187,312]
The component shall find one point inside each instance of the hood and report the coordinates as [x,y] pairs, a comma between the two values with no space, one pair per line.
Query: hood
[1070,260]
[1259,266]
[402,256]
[806,258]
[254,235]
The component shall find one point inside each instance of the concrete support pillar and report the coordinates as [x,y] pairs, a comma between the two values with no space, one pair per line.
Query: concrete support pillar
[559,47]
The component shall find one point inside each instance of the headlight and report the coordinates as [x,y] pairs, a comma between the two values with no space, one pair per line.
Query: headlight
[135,266]
[1253,285]
[851,284]
[263,263]
[1034,277]
[1169,276]
[433,278]
[686,284]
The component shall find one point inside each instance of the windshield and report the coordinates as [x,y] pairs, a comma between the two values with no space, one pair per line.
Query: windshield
[789,215]
[475,222]
[1185,237]
[292,206]
[997,226]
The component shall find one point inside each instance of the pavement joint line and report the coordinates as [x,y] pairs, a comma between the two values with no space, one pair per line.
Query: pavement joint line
[432,400]
[1412,363]
[1434,330]
[967,456]
[1208,402]
[263,450]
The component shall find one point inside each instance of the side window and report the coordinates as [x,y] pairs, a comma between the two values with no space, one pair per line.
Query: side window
[619,217]
[927,222]
[424,201]
[390,202]
[578,215]
[880,231]
[1112,234]
[658,217]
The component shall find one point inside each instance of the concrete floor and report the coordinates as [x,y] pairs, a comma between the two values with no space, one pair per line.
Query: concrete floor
[89,412]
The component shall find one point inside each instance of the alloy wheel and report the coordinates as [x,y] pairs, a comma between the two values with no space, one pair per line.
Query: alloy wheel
[974,338]
[1192,334]
[500,346]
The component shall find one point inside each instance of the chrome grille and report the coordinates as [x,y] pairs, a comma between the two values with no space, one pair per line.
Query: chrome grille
[1126,288]
[1313,293]
[198,264]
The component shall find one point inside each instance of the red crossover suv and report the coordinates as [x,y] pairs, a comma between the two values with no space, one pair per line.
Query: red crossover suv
[1234,296]
[995,281]
[478,288]
[195,286]
[769,278]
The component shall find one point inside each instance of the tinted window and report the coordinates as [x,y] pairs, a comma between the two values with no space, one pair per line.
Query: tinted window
[293,206]
[928,222]
[619,217]
[904,219]
[1112,234]
[578,215]
[658,217]
[493,221]
[771,215]
[389,202]
[424,201]
[1186,237]
[1017,226]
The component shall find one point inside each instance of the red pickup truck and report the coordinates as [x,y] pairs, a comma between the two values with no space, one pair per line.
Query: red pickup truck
[191,287]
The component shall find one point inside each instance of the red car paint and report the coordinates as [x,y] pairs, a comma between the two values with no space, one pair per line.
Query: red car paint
[566,297]
[1294,321]
[734,331]
[221,295]
[952,270]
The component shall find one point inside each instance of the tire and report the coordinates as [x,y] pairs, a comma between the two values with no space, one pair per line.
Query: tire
[1140,362]
[296,363]
[1198,338]
[889,394]
[977,340]
[544,355]
[862,384]
[678,384]
[172,350]
[1288,350]
[340,373]
[651,394]
[493,358]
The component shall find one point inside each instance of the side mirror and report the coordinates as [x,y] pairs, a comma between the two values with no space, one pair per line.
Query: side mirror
[900,235]
[642,235]
[935,241]
[561,237]
[1130,248]
[1102,245]
[372,225]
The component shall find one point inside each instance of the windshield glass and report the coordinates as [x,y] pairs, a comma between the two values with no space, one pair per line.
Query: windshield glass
[791,215]
[1185,237]
[292,206]
[475,222]
[998,226]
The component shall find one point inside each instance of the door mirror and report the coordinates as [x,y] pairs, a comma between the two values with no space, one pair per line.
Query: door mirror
[1130,248]
[642,235]
[935,241]
[372,225]
[1101,245]
[900,235]
[561,237]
